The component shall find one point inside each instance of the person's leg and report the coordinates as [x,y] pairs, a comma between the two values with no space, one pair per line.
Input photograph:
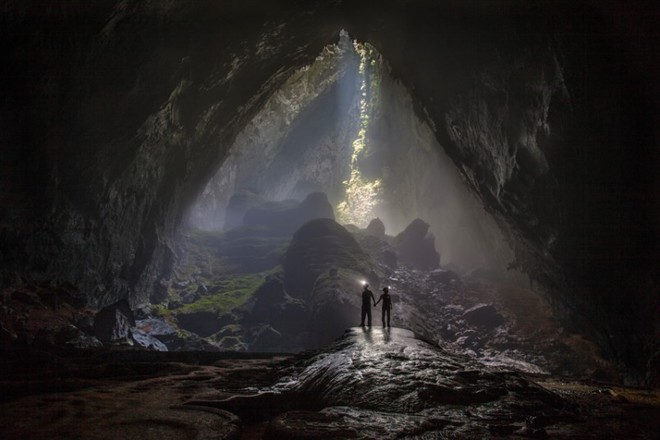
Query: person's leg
[383,316]
[364,314]
[388,317]
[369,315]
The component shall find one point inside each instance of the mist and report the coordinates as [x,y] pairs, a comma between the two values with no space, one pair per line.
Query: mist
[345,127]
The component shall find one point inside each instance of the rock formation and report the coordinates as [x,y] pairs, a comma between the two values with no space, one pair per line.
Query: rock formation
[286,218]
[416,246]
[318,246]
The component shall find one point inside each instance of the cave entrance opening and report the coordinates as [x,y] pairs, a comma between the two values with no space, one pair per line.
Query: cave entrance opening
[345,127]
[339,140]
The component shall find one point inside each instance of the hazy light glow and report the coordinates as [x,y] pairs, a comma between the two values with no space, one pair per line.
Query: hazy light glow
[362,195]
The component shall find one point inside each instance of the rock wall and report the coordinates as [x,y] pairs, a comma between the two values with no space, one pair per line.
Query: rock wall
[143,107]
[526,106]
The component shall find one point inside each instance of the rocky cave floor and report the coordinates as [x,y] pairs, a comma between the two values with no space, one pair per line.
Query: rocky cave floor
[371,383]
[470,356]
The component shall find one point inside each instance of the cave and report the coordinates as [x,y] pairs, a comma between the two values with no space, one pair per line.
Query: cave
[176,167]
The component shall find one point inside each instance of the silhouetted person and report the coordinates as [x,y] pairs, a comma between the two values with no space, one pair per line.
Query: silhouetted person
[367,299]
[387,305]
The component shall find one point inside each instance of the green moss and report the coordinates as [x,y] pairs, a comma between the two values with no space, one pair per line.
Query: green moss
[233,292]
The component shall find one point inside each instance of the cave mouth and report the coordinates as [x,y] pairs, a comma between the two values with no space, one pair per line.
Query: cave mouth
[340,140]
[344,126]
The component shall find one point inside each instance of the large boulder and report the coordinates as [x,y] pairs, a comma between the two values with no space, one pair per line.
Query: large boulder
[147,341]
[287,216]
[376,227]
[483,315]
[334,306]
[113,323]
[317,247]
[416,246]
[155,327]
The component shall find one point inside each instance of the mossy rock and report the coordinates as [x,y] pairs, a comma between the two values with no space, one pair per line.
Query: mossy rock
[317,247]
[232,343]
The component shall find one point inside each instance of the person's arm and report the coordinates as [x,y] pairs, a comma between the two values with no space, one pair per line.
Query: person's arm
[373,298]
[376,303]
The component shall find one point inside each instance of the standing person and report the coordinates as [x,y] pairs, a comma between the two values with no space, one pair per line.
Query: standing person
[367,299]
[387,305]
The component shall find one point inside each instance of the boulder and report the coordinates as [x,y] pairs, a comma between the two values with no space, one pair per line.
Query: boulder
[376,228]
[113,323]
[154,334]
[147,341]
[317,247]
[334,307]
[155,327]
[483,315]
[416,246]
[287,216]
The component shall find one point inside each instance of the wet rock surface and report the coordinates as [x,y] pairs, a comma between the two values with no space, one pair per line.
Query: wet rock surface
[371,383]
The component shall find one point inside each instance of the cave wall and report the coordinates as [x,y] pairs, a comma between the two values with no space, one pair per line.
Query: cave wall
[418,180]
[143,109]
[546,109]
[547,113]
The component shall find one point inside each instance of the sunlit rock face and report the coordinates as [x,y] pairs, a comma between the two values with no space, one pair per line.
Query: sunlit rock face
[116,115]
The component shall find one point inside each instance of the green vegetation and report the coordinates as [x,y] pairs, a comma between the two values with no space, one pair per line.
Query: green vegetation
[221,270]
[210,258]
[232,292]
